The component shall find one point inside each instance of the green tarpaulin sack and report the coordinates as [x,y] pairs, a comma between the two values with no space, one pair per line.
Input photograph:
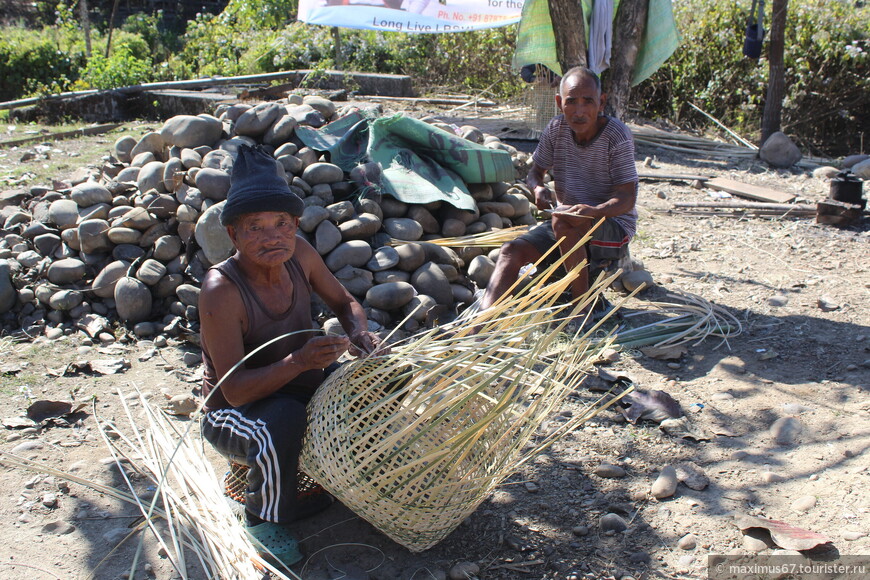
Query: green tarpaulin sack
[420,162]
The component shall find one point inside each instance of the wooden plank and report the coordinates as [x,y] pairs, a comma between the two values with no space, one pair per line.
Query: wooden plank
[750,191]
[433,101]
[675,177]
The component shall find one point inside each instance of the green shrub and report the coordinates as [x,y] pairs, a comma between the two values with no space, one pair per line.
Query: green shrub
[36,62]
[470,60]
[153,29]
[121,69]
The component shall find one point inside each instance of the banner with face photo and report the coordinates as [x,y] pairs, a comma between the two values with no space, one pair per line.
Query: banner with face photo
[418,16]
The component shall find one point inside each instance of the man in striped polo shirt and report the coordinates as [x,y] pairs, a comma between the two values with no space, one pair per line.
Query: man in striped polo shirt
[591,159]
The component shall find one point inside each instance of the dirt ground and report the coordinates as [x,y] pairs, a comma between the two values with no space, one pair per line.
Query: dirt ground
[800,291]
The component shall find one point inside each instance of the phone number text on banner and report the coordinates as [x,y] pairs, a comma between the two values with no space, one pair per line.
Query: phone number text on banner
[419,16]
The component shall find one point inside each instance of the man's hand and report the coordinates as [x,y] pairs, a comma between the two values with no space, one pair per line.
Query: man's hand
[321,351]
[575,212]
[365,343]
[544,197]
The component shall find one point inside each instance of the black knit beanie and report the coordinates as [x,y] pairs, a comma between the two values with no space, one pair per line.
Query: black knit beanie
[256,186]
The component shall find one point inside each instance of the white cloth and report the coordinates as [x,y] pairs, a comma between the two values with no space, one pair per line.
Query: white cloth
[600,36]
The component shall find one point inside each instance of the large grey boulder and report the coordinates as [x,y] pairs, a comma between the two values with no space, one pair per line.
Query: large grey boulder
[390,296]
[352,253]
[403,229]
[779,151]
[132,300]
[64,213]
[104,284]
[150,143]
[326,237]
[191,131]
[213,183]
[123,146]
[90,193]
[94,237]
[357,281]
[280,131]
[256,121]
[212,237]
[430,279]
[66,271]
[361,227]
[151,177]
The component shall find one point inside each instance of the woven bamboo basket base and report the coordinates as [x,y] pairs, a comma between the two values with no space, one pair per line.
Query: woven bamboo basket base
[236,482]
[367,446]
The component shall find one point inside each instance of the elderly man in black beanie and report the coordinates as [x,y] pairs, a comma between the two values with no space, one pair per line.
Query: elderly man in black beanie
[260,294]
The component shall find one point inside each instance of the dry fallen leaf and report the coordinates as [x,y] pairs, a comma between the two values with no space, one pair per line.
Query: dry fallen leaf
[655,406]
[785,535]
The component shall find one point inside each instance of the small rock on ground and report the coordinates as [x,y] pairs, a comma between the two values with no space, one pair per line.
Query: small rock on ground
[665,484]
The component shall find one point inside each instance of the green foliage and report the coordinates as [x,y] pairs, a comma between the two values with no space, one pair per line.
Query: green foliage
[258,14]
[123,68]
[472,60]
[36,62]
[211,48]
[161,40]
[827,73]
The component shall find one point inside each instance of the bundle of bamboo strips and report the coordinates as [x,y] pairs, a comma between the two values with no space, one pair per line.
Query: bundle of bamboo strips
[689,321]
[492,239]
[189,515]
[415,440]
[690,144]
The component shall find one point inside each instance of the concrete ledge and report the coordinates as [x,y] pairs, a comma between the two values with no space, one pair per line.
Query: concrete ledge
[164,100]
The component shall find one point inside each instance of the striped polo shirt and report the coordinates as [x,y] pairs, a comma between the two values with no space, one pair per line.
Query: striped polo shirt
[587,174]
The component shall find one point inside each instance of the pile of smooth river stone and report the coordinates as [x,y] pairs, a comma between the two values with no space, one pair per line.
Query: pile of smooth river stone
[131,240]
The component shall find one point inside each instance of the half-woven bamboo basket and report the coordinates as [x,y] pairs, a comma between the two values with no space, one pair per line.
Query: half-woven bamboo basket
[415,440]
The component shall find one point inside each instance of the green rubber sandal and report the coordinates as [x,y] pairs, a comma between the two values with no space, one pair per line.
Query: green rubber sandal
[275,543]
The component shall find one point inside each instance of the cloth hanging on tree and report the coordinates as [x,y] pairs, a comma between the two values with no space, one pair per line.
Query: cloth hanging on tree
[600,36]
[536,42]
[754,38]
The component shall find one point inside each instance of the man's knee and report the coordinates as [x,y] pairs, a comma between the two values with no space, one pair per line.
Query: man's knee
[282,417]
[517,253]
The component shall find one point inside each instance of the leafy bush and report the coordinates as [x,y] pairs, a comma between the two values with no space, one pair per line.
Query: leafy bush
[36,62]
[153,29]
[121,69]
[827,77]
[471,60]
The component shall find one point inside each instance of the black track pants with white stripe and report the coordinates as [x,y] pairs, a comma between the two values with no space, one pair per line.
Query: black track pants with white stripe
[267,436]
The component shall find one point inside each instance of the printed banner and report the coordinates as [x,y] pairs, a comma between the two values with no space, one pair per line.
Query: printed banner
[419,16]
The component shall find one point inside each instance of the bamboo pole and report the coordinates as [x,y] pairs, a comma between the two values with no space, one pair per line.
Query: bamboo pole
[749,205]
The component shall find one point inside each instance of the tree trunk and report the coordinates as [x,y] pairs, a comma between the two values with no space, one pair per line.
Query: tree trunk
[86,26]
[772,116]
[570,31]
[336,37]
[627,35]
[111,27]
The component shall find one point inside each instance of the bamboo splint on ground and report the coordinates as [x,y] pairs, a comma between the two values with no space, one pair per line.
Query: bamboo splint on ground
[738,208]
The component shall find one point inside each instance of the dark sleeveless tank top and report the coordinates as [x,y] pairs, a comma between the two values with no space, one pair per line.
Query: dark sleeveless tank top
[263,327]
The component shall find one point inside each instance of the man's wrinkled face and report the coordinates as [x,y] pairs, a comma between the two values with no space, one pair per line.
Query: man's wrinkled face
[267,238]
[581,102]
